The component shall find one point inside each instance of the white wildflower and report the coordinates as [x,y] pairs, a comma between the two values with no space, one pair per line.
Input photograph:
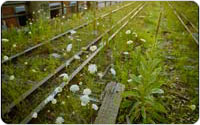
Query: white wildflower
[93,48]
[33,70]
[87,91]
[143,40]
[12,77]
[128,32]
[34,115]
[92,68]
[63,102]
[5,40]
[69,47]
[192,107]
[113,72]
[63,17]
[29,33]
[70,37]
[74,88]
[129,42]
[84,100]
[100,74]
[84,48]
[129,80]
[54,101]
[78,39]
[134,33]
[14,45]
[77,57]
[95,107]
[72,31]
[58,89]
[25,63]
[97,23]
[30,23]
[59,120]
[5,58]
[125,53]
[65,76]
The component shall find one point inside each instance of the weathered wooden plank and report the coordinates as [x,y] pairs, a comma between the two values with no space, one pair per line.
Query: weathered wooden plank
[110,104]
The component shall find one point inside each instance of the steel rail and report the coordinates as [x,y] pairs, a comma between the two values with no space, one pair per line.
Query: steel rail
[40,83]
[62,34]
[78,69]
[182,22]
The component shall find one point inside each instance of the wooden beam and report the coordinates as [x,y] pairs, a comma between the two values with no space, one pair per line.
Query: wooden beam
[110,105]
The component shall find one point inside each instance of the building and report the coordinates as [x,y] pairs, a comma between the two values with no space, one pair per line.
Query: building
[17,13]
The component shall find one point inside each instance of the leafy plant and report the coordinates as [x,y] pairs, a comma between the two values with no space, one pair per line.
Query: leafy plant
[143,87]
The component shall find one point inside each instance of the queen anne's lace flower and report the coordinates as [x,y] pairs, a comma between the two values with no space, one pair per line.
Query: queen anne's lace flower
[113,72]
[93,48]
[134,33]
[84,100]
[69,47]
[87,91]
[12,77]
[72,31]
[5,58]
[34,115]
[125,53]
[92,68]
[59,120]
[5,40]
[63,102]
[74,88]
[128,31]
[129,80]
[95,107]
[14,45]
[100,74]
[58,90]
[143,40]
[54,101]
[65,76]
[129,42]
[25,63]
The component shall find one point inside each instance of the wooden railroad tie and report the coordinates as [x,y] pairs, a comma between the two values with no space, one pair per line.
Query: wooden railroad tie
[110,105]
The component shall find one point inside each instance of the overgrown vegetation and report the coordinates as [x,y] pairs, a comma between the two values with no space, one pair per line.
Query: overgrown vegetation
[160,73]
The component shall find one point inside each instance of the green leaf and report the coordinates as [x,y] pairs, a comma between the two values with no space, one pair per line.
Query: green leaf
[144,115]
[130,93]
[136,79]
[135,107]
[157,91]
[159,107]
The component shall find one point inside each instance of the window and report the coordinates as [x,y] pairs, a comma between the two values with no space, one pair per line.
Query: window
[20,10]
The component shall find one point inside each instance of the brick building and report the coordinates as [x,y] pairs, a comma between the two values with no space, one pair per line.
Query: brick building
[16,13]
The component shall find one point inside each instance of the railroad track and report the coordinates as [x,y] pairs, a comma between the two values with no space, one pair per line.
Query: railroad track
[85,62]
[61,35]
[60,68]
[188,25]
[13,104]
